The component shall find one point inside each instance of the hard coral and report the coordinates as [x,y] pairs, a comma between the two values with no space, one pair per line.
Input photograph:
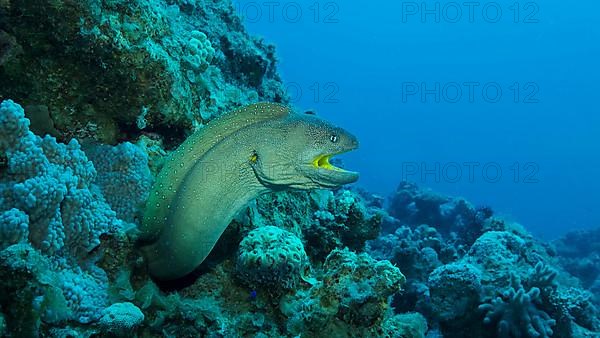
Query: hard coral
[52,184]
[52,217]
[157,68]
[455,290]
[14,227]
[121,318]
[351,297]
[123,177]
[272,257]
[324,220]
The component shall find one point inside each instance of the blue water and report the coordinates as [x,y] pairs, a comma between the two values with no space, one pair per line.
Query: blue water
[419,86]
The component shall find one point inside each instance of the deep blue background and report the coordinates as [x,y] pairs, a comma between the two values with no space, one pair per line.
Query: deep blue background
[353,62]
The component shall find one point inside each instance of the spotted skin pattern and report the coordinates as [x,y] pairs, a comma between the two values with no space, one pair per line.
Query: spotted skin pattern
[219,169]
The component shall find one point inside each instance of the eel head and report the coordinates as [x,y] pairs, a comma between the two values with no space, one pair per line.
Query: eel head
[301,158]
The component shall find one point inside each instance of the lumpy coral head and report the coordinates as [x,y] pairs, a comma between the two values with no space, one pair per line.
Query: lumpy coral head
[219,169]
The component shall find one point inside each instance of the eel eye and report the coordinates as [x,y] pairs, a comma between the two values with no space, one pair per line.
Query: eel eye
[333,138]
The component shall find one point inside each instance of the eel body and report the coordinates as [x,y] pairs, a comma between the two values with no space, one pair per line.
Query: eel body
[225,165]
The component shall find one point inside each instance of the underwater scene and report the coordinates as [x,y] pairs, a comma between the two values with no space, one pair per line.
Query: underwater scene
[238,168]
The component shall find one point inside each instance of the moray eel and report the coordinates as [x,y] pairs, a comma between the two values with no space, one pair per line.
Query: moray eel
[219,169]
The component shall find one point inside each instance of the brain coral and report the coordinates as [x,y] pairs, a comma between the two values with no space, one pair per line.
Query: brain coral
[121,318]
[270,256]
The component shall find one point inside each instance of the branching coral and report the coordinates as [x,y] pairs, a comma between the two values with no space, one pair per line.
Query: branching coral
[515,313]
[542,276]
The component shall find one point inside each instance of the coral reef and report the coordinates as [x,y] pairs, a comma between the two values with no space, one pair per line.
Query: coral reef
[579,254]
[350,297]
[110,88]
[324,220]
[307,263]
[454,274]
[141,65]
[414,206]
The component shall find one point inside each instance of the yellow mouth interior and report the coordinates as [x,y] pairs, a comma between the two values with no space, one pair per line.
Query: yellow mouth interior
[322,161]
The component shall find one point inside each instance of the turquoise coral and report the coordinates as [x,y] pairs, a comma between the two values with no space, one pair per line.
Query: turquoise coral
[200,52]
[121,318]
[53,218]
[52,184]
[123,177]
[14,227]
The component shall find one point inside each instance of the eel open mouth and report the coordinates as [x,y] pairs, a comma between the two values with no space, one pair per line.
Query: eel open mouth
[322,162]
[330,176]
